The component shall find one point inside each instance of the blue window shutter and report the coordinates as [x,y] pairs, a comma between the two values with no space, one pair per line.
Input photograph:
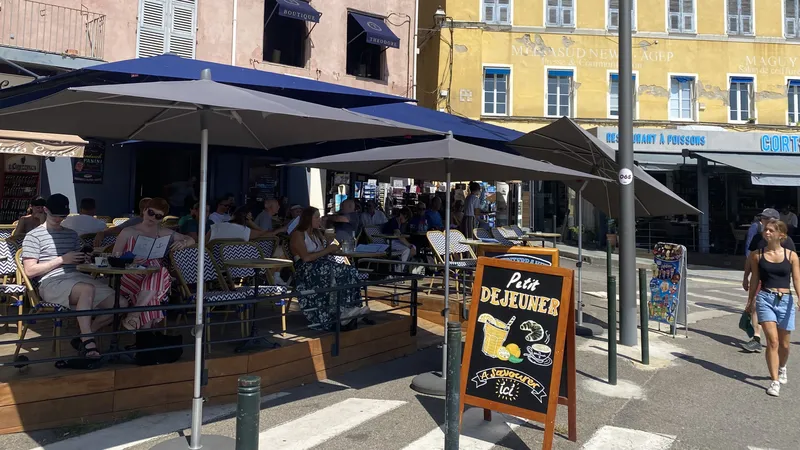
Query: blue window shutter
[794,82]
[741,79]
[497,71]
[559,73]
[615,77]
[683,79]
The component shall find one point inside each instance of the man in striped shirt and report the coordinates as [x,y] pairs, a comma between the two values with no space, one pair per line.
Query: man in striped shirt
[50,254]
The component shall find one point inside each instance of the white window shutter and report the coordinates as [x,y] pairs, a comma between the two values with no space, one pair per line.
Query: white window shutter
[502,14]
[488,10]
[567,13]
[791,28]
[613,14]
[183,24]
[151,38]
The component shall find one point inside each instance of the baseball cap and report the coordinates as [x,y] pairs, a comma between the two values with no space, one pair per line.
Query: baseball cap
[770,213]
[295,207]
[39,201]
[58,205]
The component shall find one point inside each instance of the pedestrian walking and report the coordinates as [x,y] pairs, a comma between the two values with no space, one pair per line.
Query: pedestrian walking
[755,243]
[773,270]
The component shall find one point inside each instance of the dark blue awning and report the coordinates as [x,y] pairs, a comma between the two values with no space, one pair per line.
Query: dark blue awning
[298,9]
[377,31]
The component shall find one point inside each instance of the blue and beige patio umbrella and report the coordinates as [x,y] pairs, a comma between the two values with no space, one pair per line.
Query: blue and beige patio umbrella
[444,159]
[195,112]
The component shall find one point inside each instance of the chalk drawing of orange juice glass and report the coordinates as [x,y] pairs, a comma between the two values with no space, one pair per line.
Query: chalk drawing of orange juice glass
[495,332]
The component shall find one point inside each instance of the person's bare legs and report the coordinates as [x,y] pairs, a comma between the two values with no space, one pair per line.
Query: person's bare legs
[82,298]
[771,335]
[133,320]
[106,319]
[784,338]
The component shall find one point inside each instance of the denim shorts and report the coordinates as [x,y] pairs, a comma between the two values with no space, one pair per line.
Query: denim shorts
[770,309]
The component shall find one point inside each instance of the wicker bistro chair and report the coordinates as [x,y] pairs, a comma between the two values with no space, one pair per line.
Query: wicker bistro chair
[517,230]
[12,292]
[184,263]
[170,222]
[371,231]
[119,221]
[38,306]
[238,277]
[509,234]
[501,239]
[461,255]
[481,233]
[266,245]
[106,245]
[106,219]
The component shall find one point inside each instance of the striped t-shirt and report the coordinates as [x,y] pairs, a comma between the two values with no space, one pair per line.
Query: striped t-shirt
[44,245]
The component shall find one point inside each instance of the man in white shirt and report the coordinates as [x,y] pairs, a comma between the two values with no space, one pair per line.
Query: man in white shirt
[85,222]
[789,218]
[472,208]
[221,214]
[372,216]
[264,218]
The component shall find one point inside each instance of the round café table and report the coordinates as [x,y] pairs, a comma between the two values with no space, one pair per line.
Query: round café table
[390,238]
[542,236]
[116,273]
[260,265]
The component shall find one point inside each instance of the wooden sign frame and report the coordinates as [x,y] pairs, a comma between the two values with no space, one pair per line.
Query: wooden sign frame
[533,251]
[563,356]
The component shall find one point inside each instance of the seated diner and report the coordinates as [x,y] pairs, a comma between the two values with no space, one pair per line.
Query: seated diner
[35,217]
[314,267]
[240,226]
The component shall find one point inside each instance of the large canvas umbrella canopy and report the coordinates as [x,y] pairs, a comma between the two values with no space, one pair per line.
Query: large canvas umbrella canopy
[567,144]
[169,111]
[446,158]
[203,112]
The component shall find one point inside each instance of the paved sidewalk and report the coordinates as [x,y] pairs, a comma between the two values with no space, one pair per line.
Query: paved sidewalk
[598,258]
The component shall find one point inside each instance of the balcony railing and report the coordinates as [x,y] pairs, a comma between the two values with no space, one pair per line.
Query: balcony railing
[50,28]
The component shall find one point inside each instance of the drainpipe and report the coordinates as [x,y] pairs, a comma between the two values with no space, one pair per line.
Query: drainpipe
[416,53]
[233,41]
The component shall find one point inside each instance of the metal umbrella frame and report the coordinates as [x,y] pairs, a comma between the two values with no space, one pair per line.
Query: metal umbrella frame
[430,160]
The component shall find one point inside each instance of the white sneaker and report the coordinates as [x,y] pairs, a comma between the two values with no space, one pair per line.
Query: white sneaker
[774,389]
[782,375]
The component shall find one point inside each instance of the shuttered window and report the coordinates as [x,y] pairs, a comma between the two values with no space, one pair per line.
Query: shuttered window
[560,91]
[792,7]
[681,16]
[166,26]
[740,17]
[740,99]
[613,14]
[497,11]
[560,13]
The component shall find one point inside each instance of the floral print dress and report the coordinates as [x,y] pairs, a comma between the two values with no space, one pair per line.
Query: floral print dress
[320,309]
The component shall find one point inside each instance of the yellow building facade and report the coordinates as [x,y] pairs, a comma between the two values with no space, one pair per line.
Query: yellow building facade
[520,63]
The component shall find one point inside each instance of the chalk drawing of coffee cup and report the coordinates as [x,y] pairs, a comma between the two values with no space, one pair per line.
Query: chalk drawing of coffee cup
[539,354]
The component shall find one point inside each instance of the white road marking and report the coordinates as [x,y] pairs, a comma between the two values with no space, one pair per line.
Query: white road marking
[717,299]
[315,428]
[738,293]
[143,429]
[476,433]
[614,438]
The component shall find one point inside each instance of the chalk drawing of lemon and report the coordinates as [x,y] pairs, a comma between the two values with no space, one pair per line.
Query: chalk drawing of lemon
[514,350]
[503,354]
[485,317]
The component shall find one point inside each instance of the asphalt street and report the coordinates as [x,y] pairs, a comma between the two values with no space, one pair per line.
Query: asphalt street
[700,392]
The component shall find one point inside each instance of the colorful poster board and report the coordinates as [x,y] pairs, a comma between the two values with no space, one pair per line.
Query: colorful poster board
[521,336]
[666,283]
[89,169]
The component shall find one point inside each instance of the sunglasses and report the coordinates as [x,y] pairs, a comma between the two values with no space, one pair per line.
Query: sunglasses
[152,213]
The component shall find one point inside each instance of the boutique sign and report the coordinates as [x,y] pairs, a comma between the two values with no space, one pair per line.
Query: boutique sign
[675,141]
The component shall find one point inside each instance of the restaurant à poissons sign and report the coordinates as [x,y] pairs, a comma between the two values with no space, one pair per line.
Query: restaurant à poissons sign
[519,357]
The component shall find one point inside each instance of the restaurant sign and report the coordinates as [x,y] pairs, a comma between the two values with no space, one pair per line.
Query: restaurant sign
[675,141]
[22,164]
[519,353]
[46,149]
[89,168]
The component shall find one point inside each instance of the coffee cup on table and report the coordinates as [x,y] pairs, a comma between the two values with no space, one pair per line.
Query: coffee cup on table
[101,261]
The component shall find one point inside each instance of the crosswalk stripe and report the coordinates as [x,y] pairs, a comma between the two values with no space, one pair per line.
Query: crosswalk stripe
[614,438]
[717,299]
[738,293]
[324,424]
[476,433]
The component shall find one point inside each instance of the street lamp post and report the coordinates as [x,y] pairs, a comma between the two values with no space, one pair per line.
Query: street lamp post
[627,228]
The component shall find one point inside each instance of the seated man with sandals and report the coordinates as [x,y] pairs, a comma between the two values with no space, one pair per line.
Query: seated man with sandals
[50,254]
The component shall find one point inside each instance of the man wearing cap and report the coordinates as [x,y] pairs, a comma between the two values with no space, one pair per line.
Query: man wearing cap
[757,242]
[32,220]
[294,215]
[50,254]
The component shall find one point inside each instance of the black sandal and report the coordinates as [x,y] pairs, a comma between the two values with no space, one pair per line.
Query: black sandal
[367,320]
[84,352]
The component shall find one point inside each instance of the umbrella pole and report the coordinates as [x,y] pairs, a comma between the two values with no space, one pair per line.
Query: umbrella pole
[446,310]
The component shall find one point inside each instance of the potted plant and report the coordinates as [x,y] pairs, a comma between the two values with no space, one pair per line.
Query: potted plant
[611,235]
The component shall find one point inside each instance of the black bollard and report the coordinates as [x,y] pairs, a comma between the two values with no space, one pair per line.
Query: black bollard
[609,251]
[248,411]
[644,316]
[612,330]
[452,415]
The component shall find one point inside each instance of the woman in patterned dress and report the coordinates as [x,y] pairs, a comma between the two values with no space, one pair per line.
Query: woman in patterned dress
[314,265]
[148,289]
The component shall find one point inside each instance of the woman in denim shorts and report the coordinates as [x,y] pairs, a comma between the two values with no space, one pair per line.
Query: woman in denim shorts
[774,268]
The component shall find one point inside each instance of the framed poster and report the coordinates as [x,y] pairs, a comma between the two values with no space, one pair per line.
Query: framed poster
[89,169]
[520,319]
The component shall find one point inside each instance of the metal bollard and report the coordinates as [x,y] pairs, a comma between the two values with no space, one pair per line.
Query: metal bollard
[452,415]
[612,330]
[609,250]
[644,316]
[248,409]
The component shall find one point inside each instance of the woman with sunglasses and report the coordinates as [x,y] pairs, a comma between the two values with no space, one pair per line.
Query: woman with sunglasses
[149,289]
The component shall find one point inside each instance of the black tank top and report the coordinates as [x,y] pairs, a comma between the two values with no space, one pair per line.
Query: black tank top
[775,275]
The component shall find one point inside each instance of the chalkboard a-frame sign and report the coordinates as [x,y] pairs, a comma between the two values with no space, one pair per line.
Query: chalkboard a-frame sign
[521,337]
